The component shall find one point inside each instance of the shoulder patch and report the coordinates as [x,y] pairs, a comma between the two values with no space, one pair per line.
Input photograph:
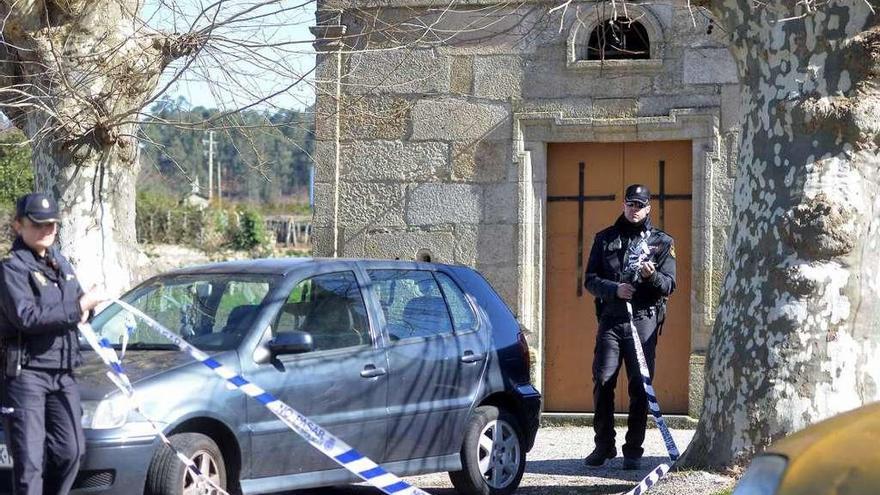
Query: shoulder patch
[672,249]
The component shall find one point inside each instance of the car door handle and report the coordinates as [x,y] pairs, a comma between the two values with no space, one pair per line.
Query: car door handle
[371,371]
[470,357]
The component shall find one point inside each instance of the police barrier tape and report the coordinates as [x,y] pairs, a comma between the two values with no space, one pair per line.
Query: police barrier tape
[318,437]
[650,480]
[637,253]
[117,375]
[661,470]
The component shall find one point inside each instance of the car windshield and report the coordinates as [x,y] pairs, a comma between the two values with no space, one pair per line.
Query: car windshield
[210,311]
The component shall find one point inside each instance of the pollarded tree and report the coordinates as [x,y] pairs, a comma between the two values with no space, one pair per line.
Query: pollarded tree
[74,76]
[796,338]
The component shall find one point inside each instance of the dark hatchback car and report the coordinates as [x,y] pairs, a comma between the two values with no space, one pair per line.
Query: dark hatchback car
[420,367]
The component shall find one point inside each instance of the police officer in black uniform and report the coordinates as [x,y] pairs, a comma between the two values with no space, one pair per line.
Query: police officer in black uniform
[41,302]
[613,282]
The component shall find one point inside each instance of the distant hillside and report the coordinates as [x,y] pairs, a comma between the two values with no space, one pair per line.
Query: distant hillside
[265,156]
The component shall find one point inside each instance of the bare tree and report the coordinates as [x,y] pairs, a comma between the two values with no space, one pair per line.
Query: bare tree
[75,76]
[796,337]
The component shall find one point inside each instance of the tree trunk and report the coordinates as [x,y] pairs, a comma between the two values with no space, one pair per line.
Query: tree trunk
[96,194]
[74,75]
[796,337]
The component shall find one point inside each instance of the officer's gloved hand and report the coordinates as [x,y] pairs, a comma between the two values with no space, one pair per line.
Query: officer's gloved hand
[625,291]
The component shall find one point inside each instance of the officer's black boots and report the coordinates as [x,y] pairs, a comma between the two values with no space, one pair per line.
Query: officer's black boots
[599,455]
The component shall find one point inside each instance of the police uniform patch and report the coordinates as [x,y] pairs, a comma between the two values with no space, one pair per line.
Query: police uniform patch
[672,250]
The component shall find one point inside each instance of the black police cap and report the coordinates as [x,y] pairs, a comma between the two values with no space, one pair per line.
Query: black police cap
[38,207]
[639,193]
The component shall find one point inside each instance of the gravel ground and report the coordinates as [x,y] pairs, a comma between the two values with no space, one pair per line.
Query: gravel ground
[555,467]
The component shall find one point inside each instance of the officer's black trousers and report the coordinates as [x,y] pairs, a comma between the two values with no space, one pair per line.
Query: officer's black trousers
[43,431]
[613,345]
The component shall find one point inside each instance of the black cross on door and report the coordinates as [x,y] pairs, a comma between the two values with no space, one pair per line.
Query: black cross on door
[580,198]
[662,196]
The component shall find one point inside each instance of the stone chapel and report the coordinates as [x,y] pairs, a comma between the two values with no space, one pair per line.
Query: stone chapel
[502,135]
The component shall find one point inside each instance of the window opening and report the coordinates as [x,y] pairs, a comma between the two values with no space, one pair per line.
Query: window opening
[620,39]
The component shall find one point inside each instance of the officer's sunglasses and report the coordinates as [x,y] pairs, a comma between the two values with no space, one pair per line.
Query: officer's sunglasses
[635,204]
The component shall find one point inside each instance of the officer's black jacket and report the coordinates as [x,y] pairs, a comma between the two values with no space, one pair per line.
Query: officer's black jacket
[606,265]
[42,303]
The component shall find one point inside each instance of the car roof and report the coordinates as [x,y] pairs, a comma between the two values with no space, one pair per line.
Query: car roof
[283,266]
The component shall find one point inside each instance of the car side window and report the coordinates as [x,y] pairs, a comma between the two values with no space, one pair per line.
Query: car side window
[412,303]
[463,318]
[331,308]
[238,305]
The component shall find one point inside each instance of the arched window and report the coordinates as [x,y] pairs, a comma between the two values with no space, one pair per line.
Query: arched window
[620,39]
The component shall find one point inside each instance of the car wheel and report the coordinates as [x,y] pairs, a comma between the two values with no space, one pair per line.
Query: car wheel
[169,476]
[492,457]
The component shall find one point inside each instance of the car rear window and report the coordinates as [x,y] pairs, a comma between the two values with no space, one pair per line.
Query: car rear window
[463,318]
[412,303]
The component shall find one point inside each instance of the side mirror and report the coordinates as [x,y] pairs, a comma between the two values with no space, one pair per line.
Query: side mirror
[291,343]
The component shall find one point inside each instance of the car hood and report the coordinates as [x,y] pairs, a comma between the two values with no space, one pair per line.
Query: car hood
[139,365]
[835,456]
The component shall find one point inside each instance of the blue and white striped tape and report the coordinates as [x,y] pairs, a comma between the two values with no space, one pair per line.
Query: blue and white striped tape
[653,405]
[318,437]
[650,480]
[654,476]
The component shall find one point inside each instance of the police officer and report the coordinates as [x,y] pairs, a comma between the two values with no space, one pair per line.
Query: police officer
[613,282]
[41,302]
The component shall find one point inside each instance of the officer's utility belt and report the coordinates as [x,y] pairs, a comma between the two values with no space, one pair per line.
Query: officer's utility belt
[648,312]
[658,310]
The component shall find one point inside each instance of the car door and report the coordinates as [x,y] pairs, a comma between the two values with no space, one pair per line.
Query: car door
[435,372]
[341,385]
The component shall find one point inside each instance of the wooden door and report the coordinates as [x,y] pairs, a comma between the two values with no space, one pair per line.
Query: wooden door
[585,184]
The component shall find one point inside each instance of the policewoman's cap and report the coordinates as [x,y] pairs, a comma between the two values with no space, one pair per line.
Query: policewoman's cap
[637,192]
[38,207]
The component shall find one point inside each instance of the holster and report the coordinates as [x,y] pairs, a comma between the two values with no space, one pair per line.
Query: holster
[12,356]
[661,316]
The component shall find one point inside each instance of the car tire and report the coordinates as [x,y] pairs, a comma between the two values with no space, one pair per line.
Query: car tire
[493,458]
[168,475]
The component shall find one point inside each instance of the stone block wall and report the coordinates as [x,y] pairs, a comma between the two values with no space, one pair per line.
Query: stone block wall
[421,133]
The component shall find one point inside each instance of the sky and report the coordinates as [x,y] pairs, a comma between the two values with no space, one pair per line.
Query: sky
[257,51]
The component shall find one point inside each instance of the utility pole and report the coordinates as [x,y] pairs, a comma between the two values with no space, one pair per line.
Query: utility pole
[219,185]
[210,143]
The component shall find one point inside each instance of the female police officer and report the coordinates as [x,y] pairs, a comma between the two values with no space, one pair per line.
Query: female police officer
[41,302]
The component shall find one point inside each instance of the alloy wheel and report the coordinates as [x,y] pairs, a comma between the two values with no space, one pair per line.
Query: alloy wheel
[193,485]
[498,455]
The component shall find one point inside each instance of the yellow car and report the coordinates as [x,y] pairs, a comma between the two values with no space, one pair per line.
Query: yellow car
[837,456]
